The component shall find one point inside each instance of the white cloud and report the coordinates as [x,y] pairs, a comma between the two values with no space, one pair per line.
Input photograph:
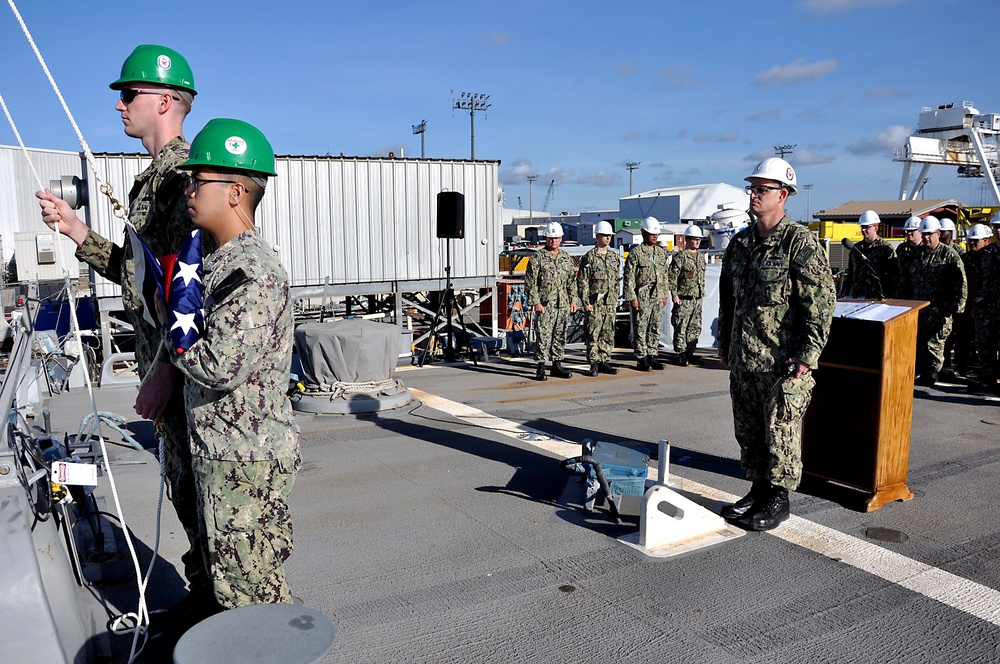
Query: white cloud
[518,173]
[759,155]
[627,68]
[768,114]
[494,38]
[633,135]
[728,137]
[830,6]
[561,176]
[811,114]
[884,142]
[599,179]
[796,71]
[807,158]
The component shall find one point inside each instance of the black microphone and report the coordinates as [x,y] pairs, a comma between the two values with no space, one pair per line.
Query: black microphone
[850,246]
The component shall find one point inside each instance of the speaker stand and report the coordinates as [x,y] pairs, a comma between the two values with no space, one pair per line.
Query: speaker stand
[448,303]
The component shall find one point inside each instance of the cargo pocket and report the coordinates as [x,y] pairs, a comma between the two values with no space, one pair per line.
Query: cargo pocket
[773,285]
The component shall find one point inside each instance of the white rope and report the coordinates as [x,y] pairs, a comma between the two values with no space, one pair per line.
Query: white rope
[142,615]
[13,126]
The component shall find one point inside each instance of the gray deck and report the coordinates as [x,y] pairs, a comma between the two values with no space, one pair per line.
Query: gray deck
[427,539]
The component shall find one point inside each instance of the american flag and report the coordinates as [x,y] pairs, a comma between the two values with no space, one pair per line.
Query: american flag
[181,292]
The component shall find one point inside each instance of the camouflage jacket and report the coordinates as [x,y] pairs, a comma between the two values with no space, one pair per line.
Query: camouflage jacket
[686,275]
[646,273]
[598,277]
[158,210]
[977,266]
[550,280]
[876,278]
[938,277]
[776,298]
[236,374]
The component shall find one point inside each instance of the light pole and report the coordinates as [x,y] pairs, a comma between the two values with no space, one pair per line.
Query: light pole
[420,129]
[531,181]
[809,191]
[473,102]
[631,166]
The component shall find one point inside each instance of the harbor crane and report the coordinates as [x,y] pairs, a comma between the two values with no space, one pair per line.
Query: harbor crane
[548,195]
[957,135]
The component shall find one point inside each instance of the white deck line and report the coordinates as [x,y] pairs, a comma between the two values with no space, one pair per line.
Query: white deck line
[959,593]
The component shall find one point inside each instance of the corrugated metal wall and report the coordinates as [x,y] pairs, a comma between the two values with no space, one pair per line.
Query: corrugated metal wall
[348,220]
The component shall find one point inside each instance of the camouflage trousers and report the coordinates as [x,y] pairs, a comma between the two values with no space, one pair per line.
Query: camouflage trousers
[932,333]
[599,333]
[247,527]
[768,407]
[646,330]
[550,334]
[987,327]
[685,318]
[181,488]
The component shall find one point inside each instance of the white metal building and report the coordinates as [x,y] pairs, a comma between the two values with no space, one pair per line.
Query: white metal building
[682,205]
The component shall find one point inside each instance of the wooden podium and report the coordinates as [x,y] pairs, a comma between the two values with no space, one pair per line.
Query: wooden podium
[856,432]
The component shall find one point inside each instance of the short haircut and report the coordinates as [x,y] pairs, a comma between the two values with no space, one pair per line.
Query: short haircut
[254,184]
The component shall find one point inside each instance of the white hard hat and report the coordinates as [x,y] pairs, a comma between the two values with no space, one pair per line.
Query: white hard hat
[651,225]
[869,218]
[604,228]
[995,219]
[978,232]
[693,231]
[553,229]
[912,224]
[777,169]
[929,224]
[663,241]
[948,225]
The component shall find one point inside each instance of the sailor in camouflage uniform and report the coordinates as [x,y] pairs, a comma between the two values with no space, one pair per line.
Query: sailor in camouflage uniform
[156,92]
[597,283]
[908,249]
[244,439]
[686,280]
[550,286]
[968,335]
[776,306]
[988,317]
[872,269]
[645,289]
[935,275]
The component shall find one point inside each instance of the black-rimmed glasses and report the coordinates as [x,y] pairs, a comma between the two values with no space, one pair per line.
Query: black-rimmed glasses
[128,95]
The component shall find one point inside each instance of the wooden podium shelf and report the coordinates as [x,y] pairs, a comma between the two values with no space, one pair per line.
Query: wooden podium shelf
[856,432]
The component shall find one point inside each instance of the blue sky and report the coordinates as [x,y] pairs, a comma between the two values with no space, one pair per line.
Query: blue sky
[696,92]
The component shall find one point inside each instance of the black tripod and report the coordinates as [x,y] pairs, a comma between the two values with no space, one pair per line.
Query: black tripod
[449,303]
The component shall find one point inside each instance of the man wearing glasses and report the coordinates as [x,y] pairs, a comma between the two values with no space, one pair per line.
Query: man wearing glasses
[156,90]
[776,306]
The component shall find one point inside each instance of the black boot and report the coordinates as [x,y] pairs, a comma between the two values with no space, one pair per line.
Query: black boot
[540,372]
[745,505]
[643,364]
[682,359]
[606,368]
[594,368]
[694,359]
[772,512]
[655,363]
[559,372]
[928,379]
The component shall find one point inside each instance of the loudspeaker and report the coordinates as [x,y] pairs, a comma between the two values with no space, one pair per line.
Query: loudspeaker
[451,215]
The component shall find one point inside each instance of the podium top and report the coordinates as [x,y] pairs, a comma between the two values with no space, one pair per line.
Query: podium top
[876,310]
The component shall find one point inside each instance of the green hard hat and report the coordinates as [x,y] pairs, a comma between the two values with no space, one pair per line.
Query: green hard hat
[150,63]
[226,143]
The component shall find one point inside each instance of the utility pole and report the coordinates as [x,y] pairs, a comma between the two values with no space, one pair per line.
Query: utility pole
[631,166]
[420,129]
[531,181]
[472,102]
[782,150]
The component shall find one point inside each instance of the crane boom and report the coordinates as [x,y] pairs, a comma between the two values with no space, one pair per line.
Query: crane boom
[548,195]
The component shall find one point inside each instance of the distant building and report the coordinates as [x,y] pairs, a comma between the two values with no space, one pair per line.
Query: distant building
[892,213]
[683,205]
